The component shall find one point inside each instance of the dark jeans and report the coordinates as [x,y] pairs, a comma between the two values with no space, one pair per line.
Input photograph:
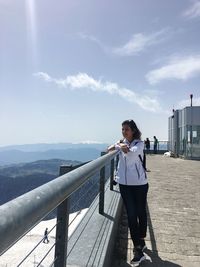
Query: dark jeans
[135,199]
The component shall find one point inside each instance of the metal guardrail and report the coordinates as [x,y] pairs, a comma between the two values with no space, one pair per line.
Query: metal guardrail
[20,215]
[163,145]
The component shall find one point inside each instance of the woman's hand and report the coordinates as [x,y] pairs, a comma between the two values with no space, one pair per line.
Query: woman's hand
[124,148]
[120,146]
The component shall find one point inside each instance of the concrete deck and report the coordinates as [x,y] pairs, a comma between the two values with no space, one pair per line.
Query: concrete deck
[173,238]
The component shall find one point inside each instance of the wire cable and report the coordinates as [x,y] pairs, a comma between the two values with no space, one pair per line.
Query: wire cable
[35,247]
[46,254]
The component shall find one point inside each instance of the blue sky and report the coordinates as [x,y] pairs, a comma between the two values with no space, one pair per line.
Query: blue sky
[73,70]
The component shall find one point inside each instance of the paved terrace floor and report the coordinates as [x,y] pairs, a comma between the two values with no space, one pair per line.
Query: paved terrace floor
[173,238]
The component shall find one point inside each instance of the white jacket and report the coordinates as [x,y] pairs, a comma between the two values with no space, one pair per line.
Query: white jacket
[130,170]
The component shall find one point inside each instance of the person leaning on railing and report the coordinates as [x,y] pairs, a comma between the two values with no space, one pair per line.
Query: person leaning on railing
[133,185]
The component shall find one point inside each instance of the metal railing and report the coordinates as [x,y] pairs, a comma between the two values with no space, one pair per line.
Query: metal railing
[162,145]
[20,215]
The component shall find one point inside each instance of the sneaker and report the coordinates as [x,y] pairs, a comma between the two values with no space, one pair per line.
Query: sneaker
[138,257]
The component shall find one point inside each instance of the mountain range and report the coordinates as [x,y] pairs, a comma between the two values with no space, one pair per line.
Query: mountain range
[21,178]
[25,167]
[33,152]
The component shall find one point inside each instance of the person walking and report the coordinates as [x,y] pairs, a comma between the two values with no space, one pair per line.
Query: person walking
[155,145]
[46,236]
[133,185]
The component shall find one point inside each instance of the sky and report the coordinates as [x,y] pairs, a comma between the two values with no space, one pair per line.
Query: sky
[74,70]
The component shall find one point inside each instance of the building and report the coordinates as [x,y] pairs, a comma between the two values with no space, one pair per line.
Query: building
[184,132]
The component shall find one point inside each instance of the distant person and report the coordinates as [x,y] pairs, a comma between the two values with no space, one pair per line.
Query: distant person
[46,236]
[155,145]
[147,145]
[133,185]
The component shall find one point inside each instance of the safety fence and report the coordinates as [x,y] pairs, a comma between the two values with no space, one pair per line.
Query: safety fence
[162,146]
[22,214]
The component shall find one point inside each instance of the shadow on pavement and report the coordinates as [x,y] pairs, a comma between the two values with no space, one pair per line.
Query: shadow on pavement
[152,256]
[154,260]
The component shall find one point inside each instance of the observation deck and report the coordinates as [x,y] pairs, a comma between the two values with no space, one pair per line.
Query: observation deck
[102,237]
[173,237]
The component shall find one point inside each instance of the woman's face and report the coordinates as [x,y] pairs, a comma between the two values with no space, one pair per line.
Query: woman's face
[127,132]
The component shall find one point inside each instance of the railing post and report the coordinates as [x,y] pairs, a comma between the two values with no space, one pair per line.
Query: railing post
[112,167]
[102,188]
[63,211]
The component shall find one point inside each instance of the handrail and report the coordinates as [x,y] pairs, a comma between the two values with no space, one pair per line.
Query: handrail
[20,215]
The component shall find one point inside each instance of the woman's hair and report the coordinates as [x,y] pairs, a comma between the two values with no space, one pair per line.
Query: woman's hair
[136,132]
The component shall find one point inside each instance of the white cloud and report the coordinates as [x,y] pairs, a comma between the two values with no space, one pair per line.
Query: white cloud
[177,68]
[193,11]
[186,102]
[89,37]
[93,39]
[44,76]
[139,42]
[84,81]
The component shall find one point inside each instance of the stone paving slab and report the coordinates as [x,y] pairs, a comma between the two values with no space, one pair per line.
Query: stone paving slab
[173,237]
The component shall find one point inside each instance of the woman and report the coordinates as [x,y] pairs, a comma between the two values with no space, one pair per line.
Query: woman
[155,145]
[133,185]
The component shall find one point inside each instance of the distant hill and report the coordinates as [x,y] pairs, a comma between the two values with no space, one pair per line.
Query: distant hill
[25,167]
[79,154]
[50,166]
[58,146]
[21,178]
[18,179]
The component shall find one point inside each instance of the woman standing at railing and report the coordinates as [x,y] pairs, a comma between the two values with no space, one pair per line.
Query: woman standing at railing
[133,185]
[155,145]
